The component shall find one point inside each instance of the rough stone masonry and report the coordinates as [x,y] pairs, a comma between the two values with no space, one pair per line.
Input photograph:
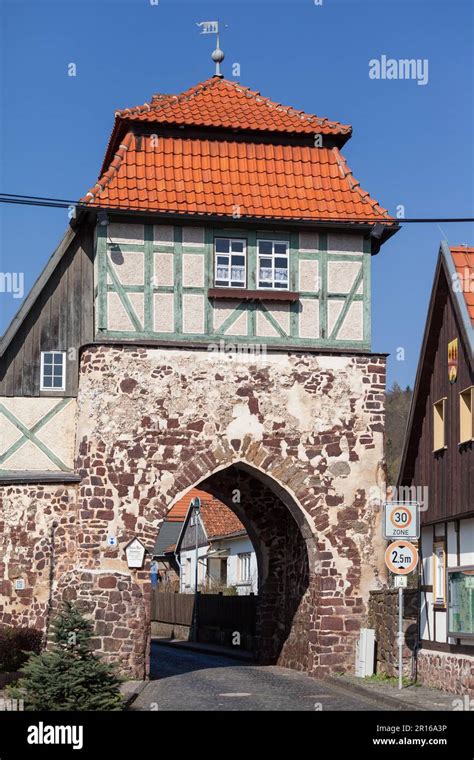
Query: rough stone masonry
[293,441]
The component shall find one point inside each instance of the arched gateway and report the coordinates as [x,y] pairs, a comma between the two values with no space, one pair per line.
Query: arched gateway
[263,430]
[205,321]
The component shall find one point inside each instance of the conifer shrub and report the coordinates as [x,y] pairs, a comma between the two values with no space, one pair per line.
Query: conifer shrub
[69,675]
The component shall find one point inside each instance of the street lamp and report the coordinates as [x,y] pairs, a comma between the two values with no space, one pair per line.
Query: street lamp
[195,505]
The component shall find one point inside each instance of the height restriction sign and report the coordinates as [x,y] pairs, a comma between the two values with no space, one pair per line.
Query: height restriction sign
[401,557]
[401,519]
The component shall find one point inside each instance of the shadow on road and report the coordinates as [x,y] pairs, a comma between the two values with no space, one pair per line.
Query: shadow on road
[172,659]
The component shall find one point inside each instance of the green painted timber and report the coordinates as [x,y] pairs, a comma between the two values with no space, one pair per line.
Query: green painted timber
[29,434]
[347,305]
[178,275]
[126,303]
[323,256]
[270,318]
[149,279]
[323,286]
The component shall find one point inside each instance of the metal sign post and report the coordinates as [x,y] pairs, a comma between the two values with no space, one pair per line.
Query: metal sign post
[401,557]
[400,637]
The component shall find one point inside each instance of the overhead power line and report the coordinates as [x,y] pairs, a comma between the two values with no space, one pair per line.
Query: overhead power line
[36,200]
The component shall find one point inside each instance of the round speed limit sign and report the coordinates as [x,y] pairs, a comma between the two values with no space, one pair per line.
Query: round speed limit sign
[401,557]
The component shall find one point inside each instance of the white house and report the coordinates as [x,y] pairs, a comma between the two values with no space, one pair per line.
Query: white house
[226,557]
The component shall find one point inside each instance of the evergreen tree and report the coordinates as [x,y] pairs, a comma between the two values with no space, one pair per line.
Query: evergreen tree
[69,676]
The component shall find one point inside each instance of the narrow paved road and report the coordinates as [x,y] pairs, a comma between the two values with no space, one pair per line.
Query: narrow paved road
[187,680]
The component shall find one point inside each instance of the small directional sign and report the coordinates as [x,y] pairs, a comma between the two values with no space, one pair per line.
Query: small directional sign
[401,557]
[401,520]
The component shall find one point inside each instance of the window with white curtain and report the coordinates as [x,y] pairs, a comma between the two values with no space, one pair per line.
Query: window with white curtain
[273,264]
[230,263]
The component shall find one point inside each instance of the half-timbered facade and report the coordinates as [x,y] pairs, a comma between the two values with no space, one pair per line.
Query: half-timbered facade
[438,468]
[205,321]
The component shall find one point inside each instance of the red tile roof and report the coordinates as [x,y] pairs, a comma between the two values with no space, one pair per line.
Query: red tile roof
[227,104]
[206,176]
[178,511]
[463,258]
[219,520]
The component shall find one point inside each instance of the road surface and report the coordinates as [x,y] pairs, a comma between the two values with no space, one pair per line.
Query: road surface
[189,680]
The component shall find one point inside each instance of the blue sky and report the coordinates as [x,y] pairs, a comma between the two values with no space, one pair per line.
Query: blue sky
[411,144]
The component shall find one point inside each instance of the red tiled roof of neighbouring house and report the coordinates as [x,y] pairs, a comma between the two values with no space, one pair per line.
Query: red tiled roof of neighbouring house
[218,177]
[463,258]
[219,520]
[178,511]
[227,104]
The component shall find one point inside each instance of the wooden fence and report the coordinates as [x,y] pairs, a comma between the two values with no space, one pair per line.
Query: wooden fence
[227,613]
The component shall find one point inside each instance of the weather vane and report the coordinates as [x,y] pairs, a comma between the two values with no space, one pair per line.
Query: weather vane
[212,27]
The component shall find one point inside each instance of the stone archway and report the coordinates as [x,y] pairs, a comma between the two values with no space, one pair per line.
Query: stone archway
[302,431]
[286,555]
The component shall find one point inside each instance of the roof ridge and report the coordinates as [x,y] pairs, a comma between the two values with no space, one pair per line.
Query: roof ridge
[355,185]
[113,168]
[197,89]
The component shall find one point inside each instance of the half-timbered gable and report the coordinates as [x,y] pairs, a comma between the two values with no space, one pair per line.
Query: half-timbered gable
[438,469]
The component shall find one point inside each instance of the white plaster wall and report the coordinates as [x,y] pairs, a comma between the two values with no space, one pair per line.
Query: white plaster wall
[163,267]
[126,233]
[441,626]
[193,313]
[223,309]
[309,275]
[163,234]
[240,326]
[193,236]
[235,547]
[309,241]
[193,270]
[343,242]
[128,266]
[466,541]
[164,312]
[309,318]
[118,318]
[341,276]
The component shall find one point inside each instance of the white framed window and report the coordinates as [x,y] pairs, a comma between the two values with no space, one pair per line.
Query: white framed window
[272,264]
[230,263]
[244,567]
[439,574]
[53,371]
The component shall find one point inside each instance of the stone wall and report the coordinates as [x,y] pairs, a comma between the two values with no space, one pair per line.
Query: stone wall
[383,618]
[38,541]
[298,436]
[442,670]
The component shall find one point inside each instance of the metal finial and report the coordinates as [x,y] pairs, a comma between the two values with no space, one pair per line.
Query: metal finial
[218,56]
[212,27]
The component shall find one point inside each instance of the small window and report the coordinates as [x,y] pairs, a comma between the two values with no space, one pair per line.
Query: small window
[466,415]
[273,264]
[439,421]
[230,263]
[439,574]
[53,371]
[244,567]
